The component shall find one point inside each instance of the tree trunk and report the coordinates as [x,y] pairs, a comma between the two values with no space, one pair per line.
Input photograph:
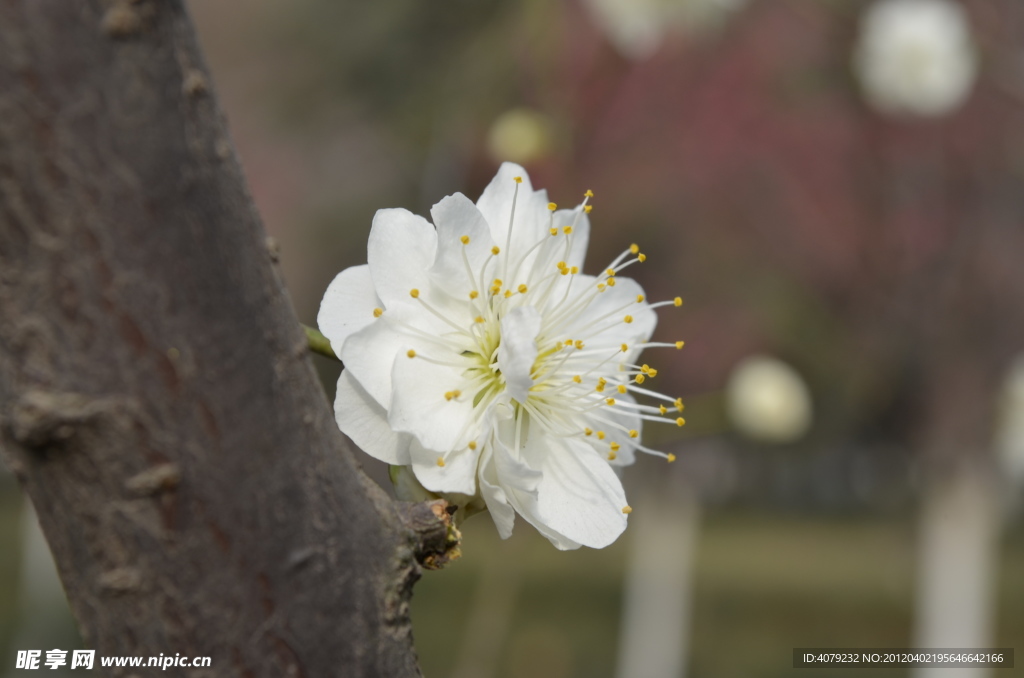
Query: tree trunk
[156,399]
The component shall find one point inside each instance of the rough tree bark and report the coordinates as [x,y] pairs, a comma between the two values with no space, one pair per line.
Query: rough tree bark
[156,398]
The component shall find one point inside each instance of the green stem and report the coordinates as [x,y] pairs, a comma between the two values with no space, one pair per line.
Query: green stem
[318,343]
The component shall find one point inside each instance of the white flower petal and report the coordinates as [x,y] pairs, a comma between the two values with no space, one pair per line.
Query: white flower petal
[369,354]
[348,305]
[518,350]
[531,215]
[455,217]
[616,303]
[457,475]
[579,496]
[521,484]
[502,513]
[363,420]
[400,251]
[495,202]
[627,418]
[419,404]
[569,249]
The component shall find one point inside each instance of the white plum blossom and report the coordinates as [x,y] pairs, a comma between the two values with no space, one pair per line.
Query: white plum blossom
[915,56]
[480,356]
[638,27]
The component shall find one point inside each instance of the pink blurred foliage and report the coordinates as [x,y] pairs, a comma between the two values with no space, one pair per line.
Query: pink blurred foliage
[749,159]
[791,217]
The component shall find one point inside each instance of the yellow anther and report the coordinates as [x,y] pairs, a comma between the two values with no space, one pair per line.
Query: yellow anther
[568,342]
[627,509]
[615,446]
[552,206]
[633,433]
[465,239]
[411,353]
[587,208]
[600,435]
[625,348]
[639,298]
[472,444]
[378,312]
[589,194]
[479,319]
[640,379]
[495,290]
[678,301]
[662,409]
[612,456]
[440,461]
[577,378]
[522,289]
[474,294]
[578,344]
[645,368]
[553,231]
[560,265]
[609,401]
[518,180]
[611,282]
[567,230]
[508,293]
[456,393]
[610,272]
[414,293]
[679,404]
[588,431]
[621,388]
[563,271]
[634,249]
[602,381]
[599,388]
[628,319]
[680,422]
[497,281]
[680,344]
[574,270]
[671,457]
[641,257]
[601,286]
[495,250]
[449,395]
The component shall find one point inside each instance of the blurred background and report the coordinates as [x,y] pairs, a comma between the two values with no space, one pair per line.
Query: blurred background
[836,189]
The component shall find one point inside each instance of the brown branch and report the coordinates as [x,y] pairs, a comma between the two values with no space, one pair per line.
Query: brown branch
[156,398]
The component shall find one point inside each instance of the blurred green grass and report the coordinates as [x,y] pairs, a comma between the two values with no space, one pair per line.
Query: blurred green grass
[765,582]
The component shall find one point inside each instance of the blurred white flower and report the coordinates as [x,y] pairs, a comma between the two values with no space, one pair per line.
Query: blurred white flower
[637,27]
[479,355]
[767,400]
[915,56]
[521,135]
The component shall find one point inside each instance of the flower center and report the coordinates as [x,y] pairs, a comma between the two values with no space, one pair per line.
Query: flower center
[524,306]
